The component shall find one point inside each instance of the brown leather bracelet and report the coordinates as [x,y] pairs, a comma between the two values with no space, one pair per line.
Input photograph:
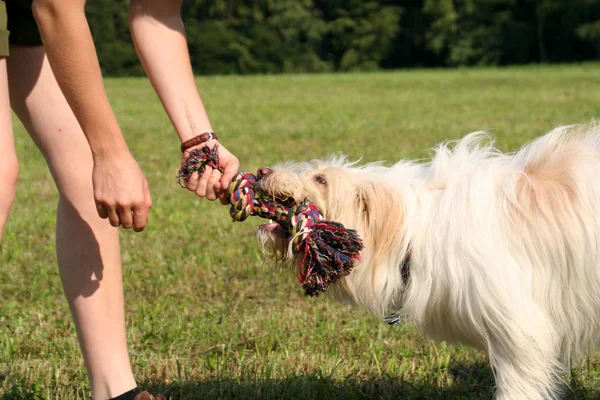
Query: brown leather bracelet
[196,140]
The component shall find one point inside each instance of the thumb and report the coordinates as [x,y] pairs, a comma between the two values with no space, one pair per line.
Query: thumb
[228,173]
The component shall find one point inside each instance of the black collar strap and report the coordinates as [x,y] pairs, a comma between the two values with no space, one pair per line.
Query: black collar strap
[394,318]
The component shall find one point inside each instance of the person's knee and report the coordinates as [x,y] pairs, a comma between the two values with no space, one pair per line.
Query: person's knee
[9,174]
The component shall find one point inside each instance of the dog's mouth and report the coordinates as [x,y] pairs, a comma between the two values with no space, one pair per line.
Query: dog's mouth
[275,229]
[275,196]
[272,234]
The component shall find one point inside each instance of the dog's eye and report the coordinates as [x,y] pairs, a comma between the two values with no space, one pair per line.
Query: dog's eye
[320,179]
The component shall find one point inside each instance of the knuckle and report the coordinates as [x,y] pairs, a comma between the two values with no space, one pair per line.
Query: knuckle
[126,203]
[139,202]
[123,205]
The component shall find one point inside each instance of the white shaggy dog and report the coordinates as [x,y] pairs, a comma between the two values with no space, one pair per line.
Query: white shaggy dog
[499,251]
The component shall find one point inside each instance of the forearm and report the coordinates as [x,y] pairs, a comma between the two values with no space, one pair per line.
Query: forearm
[159,38]
[71,53]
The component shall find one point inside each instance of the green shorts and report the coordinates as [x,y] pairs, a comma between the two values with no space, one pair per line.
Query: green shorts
[17,25]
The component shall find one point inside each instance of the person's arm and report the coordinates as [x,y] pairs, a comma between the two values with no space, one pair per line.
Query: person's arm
[159,37]
[120,189]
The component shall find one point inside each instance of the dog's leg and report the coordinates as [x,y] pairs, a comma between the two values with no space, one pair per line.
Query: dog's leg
[525,362]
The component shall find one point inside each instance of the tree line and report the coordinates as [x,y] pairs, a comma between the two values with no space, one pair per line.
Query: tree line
[284,36]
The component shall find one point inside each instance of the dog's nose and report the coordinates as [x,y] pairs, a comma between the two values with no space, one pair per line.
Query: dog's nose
[264,171]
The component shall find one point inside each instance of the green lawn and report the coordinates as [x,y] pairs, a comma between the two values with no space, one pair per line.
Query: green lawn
[210,321]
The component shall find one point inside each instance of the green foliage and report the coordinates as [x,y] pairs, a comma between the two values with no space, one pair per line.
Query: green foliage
[444,24]
[590,32]
[275,36]
[214,49]
[109,25]
[468,32]
[359,33]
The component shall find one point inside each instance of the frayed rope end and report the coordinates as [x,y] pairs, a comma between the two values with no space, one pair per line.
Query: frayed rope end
[330,251]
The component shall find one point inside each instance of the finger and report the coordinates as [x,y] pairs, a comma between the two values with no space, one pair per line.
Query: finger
[126,217]
[147,197]
[113,217]
[102,213]
[192,183]
[229,172]
[140,219]
[203,182]
[142,212]
[223,198]
[213,187]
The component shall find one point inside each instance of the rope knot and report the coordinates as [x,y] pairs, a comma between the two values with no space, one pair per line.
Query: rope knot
[241,196]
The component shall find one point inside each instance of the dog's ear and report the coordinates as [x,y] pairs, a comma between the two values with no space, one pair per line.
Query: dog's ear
[378,206]
[381,217]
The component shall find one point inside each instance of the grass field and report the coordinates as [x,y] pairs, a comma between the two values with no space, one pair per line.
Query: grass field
[206,319]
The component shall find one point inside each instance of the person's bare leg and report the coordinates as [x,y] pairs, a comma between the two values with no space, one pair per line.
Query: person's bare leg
[9,167]
[87,247]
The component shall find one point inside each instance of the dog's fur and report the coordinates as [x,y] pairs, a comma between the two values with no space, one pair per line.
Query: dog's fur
[503,250]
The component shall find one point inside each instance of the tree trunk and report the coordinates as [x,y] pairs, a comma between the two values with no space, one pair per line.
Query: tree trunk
[540,34]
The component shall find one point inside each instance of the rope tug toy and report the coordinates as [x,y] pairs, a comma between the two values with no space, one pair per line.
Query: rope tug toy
[329,250]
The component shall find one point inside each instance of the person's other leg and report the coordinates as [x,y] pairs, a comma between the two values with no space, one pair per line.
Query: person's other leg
[87,247]
[9,167]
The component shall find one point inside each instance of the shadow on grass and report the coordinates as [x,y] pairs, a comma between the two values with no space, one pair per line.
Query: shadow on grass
[470,382]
